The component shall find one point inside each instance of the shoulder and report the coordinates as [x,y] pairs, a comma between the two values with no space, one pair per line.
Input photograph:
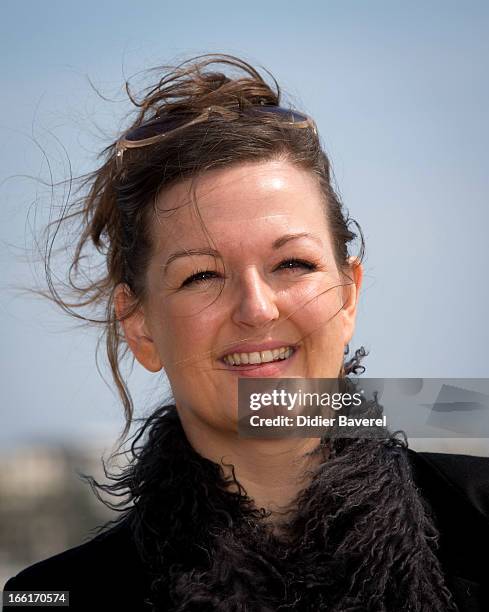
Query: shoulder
[92,572]
[464,477]
[456,490]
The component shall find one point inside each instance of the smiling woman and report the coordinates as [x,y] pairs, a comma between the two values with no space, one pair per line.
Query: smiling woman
[270,282]
[227,256]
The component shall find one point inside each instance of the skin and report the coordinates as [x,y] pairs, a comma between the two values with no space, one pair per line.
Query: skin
[184,329]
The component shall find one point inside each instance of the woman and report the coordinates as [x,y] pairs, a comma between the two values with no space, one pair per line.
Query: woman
[227,257]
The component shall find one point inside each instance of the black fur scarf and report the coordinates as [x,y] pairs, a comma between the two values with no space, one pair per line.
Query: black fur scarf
[360,540]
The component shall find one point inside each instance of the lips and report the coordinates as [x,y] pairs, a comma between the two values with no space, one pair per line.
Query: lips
[273,369]
[246,347]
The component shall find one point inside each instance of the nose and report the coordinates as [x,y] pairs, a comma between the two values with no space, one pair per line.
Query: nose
[256,303]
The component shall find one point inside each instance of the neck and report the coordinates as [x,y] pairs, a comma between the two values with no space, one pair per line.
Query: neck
[271,471]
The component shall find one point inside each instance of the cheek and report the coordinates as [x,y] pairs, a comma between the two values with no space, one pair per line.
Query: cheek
[190,334]
[316,303]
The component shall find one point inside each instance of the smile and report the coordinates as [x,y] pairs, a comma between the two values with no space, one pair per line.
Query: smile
[259,357]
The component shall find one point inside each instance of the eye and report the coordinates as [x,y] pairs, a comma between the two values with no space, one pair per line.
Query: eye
[291,264]
[201,276]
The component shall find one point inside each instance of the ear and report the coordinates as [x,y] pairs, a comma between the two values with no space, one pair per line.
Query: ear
[136,331]
[351,292]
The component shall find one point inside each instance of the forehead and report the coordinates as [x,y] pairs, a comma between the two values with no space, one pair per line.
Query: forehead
[250,201]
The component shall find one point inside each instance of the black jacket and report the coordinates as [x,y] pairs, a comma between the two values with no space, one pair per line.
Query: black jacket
[106,573]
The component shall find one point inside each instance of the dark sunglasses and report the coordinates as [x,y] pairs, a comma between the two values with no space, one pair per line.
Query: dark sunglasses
[155,130]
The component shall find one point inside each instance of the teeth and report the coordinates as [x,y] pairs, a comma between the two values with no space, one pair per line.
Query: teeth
[255,358]
[259,357]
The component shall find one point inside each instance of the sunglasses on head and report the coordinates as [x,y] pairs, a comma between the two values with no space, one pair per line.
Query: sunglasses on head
[157,129]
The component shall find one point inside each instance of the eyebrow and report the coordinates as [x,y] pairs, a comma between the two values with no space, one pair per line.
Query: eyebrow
[277,244]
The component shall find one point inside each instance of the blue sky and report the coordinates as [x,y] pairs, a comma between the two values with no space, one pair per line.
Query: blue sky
[400,95]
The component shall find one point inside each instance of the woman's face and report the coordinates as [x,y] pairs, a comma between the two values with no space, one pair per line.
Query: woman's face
[254,273]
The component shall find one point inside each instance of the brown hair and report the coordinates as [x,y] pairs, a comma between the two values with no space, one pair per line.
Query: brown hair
[115,206]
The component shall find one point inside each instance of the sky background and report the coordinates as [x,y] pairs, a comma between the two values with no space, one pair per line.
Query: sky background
[400,95]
